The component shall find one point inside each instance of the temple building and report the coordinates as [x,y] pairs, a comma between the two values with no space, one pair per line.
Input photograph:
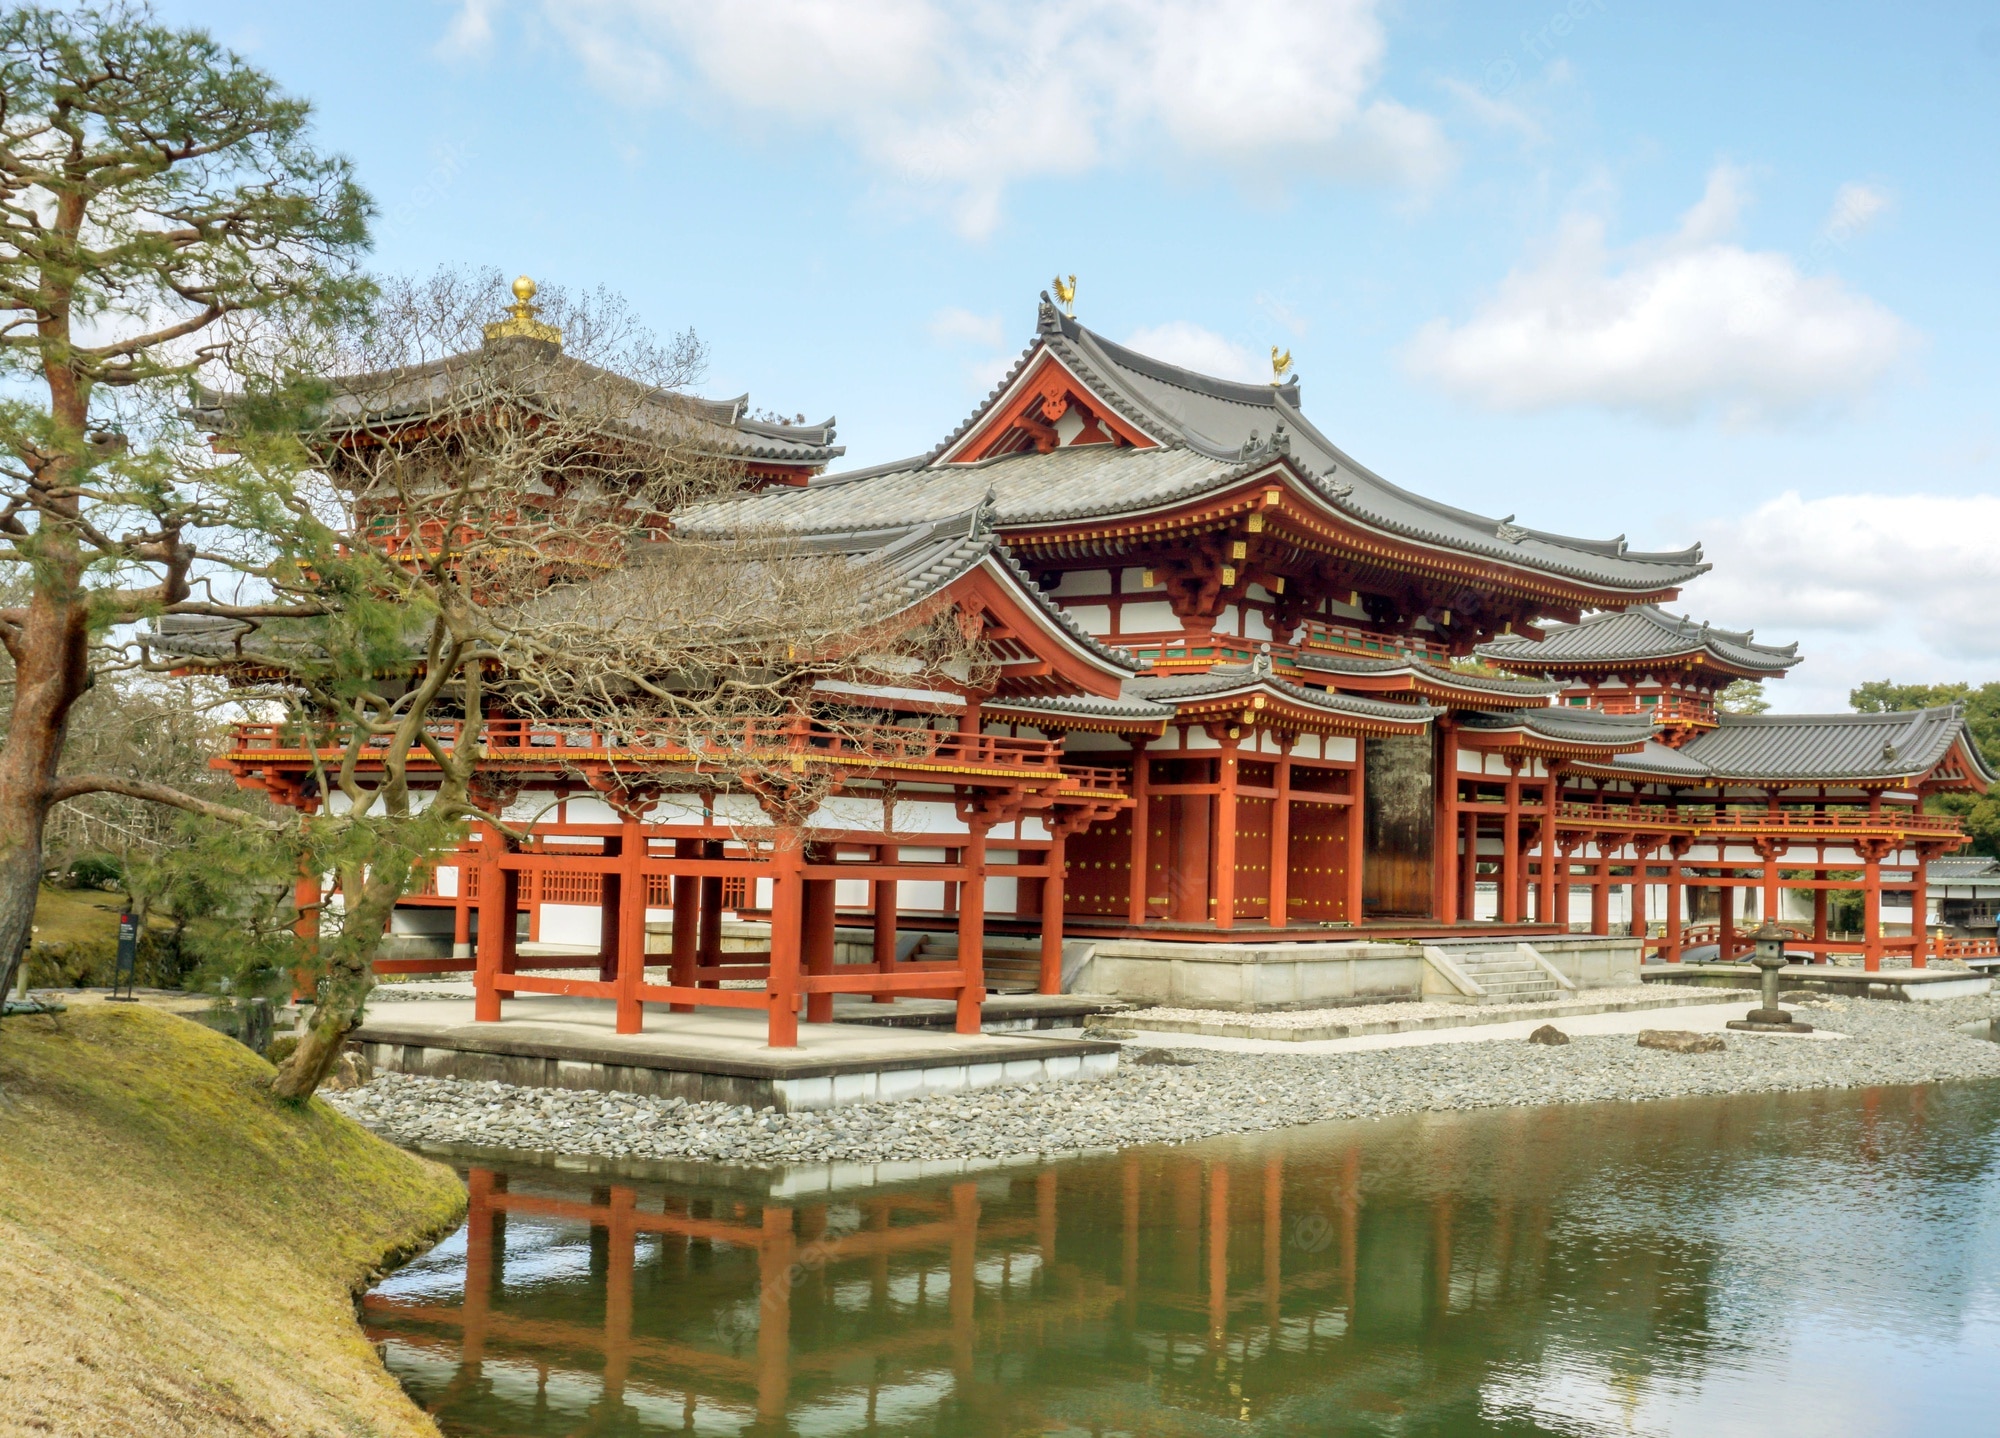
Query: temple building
[1244,688]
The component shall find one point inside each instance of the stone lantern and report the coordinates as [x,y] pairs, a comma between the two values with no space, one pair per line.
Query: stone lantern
[1769,957]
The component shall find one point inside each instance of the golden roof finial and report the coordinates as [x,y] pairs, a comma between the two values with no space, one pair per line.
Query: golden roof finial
[1281,365]
[1066,292]
[521,322]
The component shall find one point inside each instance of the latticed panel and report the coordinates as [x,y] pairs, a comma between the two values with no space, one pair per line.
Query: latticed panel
[560,887]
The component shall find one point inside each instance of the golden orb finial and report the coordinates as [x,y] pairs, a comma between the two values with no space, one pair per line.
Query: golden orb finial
[521,322]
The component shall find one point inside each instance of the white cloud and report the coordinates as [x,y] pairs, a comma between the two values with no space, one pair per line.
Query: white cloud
[1874,586]
[956,326]
[959,101]
[471,29]
[1493,112]
[1204,351]
[1669,328]
[1855,207]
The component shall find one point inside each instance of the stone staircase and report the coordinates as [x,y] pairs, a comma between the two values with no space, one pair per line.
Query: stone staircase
[1509,976]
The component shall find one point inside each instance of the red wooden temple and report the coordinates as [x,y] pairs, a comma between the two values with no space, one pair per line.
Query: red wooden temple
[1234,698]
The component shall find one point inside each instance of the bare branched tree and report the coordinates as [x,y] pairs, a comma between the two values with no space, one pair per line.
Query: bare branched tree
[481,512]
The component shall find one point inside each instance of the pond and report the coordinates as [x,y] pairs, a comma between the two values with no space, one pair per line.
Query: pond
[1820,1263]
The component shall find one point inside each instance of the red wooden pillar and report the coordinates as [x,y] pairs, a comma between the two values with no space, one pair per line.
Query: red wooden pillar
[816,928]
[1725,917]
[1639,926]
[972,931]
[461,916]
[1551,791]
[1769,850]
[1600,888]
[1510,851]
[1819,914]
[1559,904]
[1222,883]
[1278,913]
[1676,897]
[1357,830]
[1052,913]
[631,932]
[1919,904]
[497,888]
[782,989]
[1444,824]
[884,894]
[1871,922]
[1140,876]
[687,923]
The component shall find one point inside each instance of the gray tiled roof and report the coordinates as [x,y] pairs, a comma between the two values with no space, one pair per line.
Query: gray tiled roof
[1563,726]
[1883,747]
[1526,689]
[725,425]
[1659,761]
[1211,434]
[1977,869]
[1229,679]
[893,569]
[1644,632]
[1083,706]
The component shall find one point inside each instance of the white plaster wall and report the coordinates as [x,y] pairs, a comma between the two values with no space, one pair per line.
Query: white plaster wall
[588,809]
[571,924]
[1096,618]
[1150,617]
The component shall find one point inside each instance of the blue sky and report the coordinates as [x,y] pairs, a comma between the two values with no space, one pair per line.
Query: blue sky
[1703,271]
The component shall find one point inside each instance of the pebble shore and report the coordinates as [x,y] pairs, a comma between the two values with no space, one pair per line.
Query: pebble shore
[1181,1094]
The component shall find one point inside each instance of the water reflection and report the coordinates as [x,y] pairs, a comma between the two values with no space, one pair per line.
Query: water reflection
[1818,1263]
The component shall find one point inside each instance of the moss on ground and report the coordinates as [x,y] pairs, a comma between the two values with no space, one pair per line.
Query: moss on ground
[180,1250]
[77,916]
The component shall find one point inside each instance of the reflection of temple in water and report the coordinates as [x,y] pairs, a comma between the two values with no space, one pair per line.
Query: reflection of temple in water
[1154,1292]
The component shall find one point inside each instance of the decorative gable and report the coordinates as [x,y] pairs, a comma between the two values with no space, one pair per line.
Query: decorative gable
[1048,407]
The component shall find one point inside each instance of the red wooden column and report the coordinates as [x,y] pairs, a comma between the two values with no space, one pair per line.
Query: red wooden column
[708,949]
[497,890]
[1222,883]
[1639,926]
[884,895]
[1725,917]
[1551,797]
[1142,773]
[631,932]
[1670,949]
[1600,888]
[1277,914]
[687,923]
[1052,910]
[1559,905]
[1768,850]
[1871,910]
[1819,915]
[782,989]
[1357,829]
[1510,851]
[461,917]
[1444,824]
[1919,902]
[816,929]
[972,927]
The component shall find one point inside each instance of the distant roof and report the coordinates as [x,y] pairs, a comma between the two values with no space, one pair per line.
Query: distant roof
[1811,748]
[726,425]
[1525,691]
[1976,869]
[1563,726]
[1229,680]
[1645,632]
[1210,433]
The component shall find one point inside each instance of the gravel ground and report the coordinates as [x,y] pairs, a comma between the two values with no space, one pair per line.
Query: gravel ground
[1353,1014]
[1173,1096]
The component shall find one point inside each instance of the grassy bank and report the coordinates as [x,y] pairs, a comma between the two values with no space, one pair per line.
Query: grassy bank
[179,1252]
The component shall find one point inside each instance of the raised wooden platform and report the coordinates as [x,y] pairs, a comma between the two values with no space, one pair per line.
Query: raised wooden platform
[711,1055]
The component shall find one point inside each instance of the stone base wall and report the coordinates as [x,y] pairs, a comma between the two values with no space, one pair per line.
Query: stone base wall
[1249,978]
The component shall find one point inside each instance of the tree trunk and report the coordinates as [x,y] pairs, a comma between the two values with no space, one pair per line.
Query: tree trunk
[349,978]
[49,676]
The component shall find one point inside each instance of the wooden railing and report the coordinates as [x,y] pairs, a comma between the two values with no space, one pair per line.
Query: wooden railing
[757,739]
[1946,948]
[1668,707]
[1704,817]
